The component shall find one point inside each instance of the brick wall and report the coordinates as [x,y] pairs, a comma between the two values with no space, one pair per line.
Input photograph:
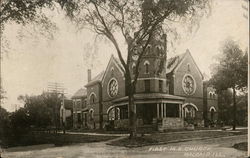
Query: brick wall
[197,97]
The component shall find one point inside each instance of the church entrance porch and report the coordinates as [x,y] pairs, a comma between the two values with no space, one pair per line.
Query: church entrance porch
[162,111]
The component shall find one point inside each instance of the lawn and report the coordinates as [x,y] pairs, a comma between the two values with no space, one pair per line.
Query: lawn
[56,139]
[241,146]
[164,138]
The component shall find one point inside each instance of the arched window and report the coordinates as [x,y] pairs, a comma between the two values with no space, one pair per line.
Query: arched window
[114,114]
[146,68]
[212,114]
[91,112]
[188,67]
[190,110]
[158,50]
[148,49]
[112,71]
[210,94]
[146,63]
[133,69]
[92,98]
[214,96]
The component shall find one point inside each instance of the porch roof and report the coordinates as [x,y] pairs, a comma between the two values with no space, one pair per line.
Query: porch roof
[151,98]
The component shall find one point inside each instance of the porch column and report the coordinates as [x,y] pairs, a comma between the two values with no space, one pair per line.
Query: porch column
[135,108]
[183,112]
[180,112]
[161,110]
[165,110]
[158,111]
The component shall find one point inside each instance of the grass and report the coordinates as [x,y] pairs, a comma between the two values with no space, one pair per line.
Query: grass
[164,138]
[241,146]
[135,142]
[56,139]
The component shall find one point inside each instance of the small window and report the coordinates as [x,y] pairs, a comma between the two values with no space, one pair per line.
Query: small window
[158,50]
[148,49]
[188,67]
[146,64]
[91,114]
[134,69]
[210,95]
[147,85]
[147,68]
[214,96]
[160,86]
[112,71]
[92,98]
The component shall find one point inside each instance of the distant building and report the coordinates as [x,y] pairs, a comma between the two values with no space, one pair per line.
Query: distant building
[80,110]
[66,110]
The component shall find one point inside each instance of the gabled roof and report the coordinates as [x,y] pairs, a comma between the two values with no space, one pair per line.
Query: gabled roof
[117,63]
[101,75]
[96,79]
[80,93]
[174,62]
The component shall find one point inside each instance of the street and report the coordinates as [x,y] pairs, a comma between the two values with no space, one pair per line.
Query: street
[216,147]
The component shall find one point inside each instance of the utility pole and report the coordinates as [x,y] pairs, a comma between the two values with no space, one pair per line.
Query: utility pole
[56,89]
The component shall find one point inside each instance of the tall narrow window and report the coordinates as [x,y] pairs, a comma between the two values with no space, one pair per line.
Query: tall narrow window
[133,69]
[92,98]
[188,67]
[146,68]
[160,86]
[147,85]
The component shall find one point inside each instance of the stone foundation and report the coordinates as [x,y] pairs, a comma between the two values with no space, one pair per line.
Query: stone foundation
[171,123]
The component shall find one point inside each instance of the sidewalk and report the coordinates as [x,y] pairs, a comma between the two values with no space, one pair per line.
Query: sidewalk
[229,128]
[96,134]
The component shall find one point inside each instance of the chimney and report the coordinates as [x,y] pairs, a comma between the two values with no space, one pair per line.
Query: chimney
[89,75]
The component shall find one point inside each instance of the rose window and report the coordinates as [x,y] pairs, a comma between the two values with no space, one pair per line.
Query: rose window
[113,88]
[188,84]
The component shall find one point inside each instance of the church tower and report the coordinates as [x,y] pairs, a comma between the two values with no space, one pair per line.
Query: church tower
[152,71]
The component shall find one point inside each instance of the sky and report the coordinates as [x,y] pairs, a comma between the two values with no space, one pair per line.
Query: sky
[33,61]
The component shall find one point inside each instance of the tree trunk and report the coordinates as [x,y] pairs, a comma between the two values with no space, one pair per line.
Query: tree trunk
[130,90]
[132,116]
[234,109]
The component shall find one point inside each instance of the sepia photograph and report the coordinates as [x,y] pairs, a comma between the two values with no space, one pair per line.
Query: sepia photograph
[124,79]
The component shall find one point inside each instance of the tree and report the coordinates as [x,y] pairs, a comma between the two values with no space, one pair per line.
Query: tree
[28,10]
[231,71]
[41,109]
[31,13]
[138,22]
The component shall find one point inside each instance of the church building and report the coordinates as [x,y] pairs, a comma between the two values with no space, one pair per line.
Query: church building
[169,93]
[176,98]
